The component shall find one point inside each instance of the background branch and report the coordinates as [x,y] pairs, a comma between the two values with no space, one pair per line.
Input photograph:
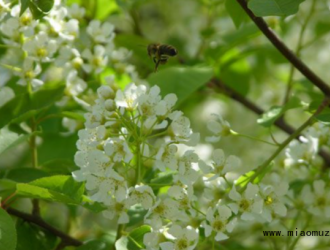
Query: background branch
[285,51]
[280,123]
[66,239]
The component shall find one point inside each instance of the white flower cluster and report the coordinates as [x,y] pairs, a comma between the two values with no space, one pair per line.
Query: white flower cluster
[133,131]
[38,48]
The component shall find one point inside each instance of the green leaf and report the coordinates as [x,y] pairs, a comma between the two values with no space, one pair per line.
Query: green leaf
[274,7]
[9,139]
[33,237]
[25,105]
[105,242]
[161,181]
[136,215]
[43,6]
[236,12]
[324,117]
[73,115]
[8,238]
[243,180]
[138,46]
[93,206]
[269,117]
[24,6]
[25,175]
[181,81]
[135,238]
[105,8]
[94,245]
[59,188]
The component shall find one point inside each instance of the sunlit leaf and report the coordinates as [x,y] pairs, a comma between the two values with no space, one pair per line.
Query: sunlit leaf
[181,81]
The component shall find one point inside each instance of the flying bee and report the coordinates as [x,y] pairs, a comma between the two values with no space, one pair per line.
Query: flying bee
[160,53]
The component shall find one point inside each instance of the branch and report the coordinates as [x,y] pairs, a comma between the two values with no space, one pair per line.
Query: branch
[280,123]
[66,239]
[296,62]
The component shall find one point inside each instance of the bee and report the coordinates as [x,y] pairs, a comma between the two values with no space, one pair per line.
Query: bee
[160,53]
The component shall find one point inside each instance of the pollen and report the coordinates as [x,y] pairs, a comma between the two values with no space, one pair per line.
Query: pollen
[244,205]
[25,20]
[218,225]
[29,74]
[41,52]
[268,200]
[182,244]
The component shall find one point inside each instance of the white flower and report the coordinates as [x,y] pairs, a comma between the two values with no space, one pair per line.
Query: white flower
[220,165]
[184,238]
[301,153]
[112,185]
[215,190]
[219,127]
[28,74]
[27,23]
[217,219]
[101,33]
[249,204]
[70,124]
[74,84]
[10,28]
[180,127]
[319,132]
[4,9]
[69,58]
[129,97]
[118,149]
[151,240]
[165,158]
[77,12]
[116,209]
[41,48]
[272,196]
[90,138]
[186,163]
[96,60]
[6,94]
[141,195]
[318,202]
[167,209]
[59,27]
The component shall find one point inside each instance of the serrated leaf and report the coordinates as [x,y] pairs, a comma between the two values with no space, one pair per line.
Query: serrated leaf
[274,7]
[181,81]
[24,6]
[26,105]
[25,175]
[270,116]
[8,238]
[59,188]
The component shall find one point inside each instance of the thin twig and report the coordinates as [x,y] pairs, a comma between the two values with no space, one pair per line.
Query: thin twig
[285,51]
[280,123]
